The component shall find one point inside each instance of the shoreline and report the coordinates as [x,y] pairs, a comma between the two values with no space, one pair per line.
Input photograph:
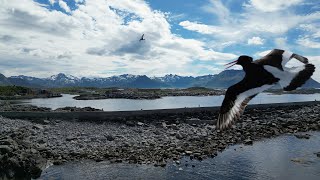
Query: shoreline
[151,139]
[91,114]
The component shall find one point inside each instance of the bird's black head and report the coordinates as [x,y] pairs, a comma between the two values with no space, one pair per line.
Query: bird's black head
[244,60]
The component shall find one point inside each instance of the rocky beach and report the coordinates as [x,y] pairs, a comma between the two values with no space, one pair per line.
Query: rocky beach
[27,146]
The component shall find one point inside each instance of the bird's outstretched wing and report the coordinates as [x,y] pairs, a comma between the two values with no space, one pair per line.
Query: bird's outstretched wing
[290,78]
[236,99]
[279,58]
[142,38]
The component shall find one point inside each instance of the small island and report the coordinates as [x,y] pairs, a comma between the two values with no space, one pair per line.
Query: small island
[19,92]
[135,93]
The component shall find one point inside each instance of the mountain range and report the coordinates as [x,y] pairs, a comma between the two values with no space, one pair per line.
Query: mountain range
[222,80]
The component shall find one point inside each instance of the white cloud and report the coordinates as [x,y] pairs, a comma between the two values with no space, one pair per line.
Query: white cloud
[217,7]
[52,1]
[64,6]
[272,5]
[262,53]
[201,28]
[307,42]
[281,43]
[255,41]
[252,21]
[99,38]
[79,1]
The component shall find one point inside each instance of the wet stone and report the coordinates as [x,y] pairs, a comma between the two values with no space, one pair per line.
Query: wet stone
[248,142]
[5,149]
[302,136]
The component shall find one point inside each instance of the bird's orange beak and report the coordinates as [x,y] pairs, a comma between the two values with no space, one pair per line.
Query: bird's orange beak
[231,64]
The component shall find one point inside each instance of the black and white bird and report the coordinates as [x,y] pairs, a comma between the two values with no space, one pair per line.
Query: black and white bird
[261,75]
[142,38]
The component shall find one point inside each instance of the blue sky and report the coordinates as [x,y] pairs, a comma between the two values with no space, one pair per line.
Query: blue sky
[99,38]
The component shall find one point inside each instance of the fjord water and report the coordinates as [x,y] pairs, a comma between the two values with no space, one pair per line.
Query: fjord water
[163,103]
[284,157]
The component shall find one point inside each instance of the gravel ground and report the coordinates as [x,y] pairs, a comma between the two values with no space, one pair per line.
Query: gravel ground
[136,141]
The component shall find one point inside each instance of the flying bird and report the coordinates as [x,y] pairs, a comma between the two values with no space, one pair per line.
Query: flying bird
[261,75]
[142,38]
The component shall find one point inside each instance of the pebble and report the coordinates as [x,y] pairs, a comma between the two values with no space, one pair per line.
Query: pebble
[302,136]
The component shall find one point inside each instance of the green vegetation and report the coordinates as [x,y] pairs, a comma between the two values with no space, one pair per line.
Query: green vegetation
[77,90]
[14,90]
[19,92]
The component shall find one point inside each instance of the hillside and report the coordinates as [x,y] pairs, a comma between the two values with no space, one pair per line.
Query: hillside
[221,80]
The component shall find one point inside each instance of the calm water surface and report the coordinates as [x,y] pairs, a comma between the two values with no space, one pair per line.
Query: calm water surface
[163,103]
[268,159]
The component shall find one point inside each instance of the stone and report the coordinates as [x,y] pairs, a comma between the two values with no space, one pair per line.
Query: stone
[41,141]
[130,123]
[45,122]
[70,138]
[174,127]
[57,162]
[140,124]
[188,152]
[110,137]
[179,136]
[6,142]
[38,127]
[5,149]
[302,136]
[164,125]
[248,142]
[179,149]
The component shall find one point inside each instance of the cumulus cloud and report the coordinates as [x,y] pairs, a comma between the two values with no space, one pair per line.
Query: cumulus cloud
[272,5]
[94,38]
[307,42]
[52,1]
[64,6]
[258,18]
[255,41]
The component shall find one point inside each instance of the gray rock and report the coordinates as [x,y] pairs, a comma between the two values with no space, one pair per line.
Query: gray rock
[164,125]
[109,137]
[41,141]
[38,127]
[140,124]
[248,142]
[179,136]
[302,136]
[174,127]
[6,142]
[5,149]
[188,152]
[70,138]
[46,122]
[130,123]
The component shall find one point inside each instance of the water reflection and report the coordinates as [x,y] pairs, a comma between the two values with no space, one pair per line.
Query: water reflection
[163,103]
[269,159]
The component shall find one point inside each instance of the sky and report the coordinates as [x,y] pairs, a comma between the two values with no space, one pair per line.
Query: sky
[100,38]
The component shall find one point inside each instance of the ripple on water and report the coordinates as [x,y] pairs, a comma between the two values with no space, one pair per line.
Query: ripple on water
[285,157]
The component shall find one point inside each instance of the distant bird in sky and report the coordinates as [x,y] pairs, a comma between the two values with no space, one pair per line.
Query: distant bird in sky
[261,75]
[142,38]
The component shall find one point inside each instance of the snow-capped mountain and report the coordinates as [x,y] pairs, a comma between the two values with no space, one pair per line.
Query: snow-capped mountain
[221,80]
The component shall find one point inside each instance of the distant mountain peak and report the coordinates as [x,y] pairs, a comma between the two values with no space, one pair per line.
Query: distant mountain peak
[62,76]
[222,80]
